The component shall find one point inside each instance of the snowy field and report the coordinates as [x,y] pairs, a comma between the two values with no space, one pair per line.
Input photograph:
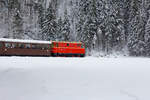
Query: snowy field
[47,78]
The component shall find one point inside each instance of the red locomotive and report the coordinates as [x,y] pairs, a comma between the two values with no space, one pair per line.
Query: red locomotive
[15,47]
[67,49]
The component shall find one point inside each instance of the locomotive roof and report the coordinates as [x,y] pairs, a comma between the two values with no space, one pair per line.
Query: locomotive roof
[25,41]
[66,42]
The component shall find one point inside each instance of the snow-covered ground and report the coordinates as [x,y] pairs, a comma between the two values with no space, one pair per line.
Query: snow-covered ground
[47,78]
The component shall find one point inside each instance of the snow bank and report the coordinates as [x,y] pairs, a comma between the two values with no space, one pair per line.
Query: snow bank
[47,78]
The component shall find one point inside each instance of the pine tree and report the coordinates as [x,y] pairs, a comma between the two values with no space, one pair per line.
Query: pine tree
[136,42]
[60,29]
[49,25]
[41,19]
[66,27]
[147,33]
[41,16]
[89,21]
[81,17]
[17,25]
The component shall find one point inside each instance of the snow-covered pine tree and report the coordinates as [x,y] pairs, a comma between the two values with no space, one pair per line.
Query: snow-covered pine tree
[41,19]
[147,30]
[136,44]
[49,25]
[13,4]
[87,25]
[66,27]
[81,17]
[102,19]
[136,41]
[118,31]
[73,16]
[92,23]
[17,26]
[59,33]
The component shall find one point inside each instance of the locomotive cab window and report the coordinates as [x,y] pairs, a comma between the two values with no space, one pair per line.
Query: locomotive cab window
[78,45]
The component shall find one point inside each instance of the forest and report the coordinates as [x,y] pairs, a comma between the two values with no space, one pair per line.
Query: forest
[104,26]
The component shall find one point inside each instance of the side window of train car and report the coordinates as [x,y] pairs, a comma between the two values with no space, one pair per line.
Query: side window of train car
[1,45]
[38,46]
[20,45]
[8,45]
[14,45]
[33,46]
[27,46]
[67,44]
[45,47]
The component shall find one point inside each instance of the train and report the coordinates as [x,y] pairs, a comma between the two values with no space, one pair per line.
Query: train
[17,47]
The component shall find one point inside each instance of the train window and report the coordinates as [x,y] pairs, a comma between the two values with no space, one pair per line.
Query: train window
[1,45]
[78,45]
[8,45]
[67,44]
[21,45]
[14,45]
[33,46]
[38,46]
[28,46]
[45,47]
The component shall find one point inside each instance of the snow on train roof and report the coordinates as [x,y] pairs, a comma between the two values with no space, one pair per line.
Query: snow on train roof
[25,41]
[65,42]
